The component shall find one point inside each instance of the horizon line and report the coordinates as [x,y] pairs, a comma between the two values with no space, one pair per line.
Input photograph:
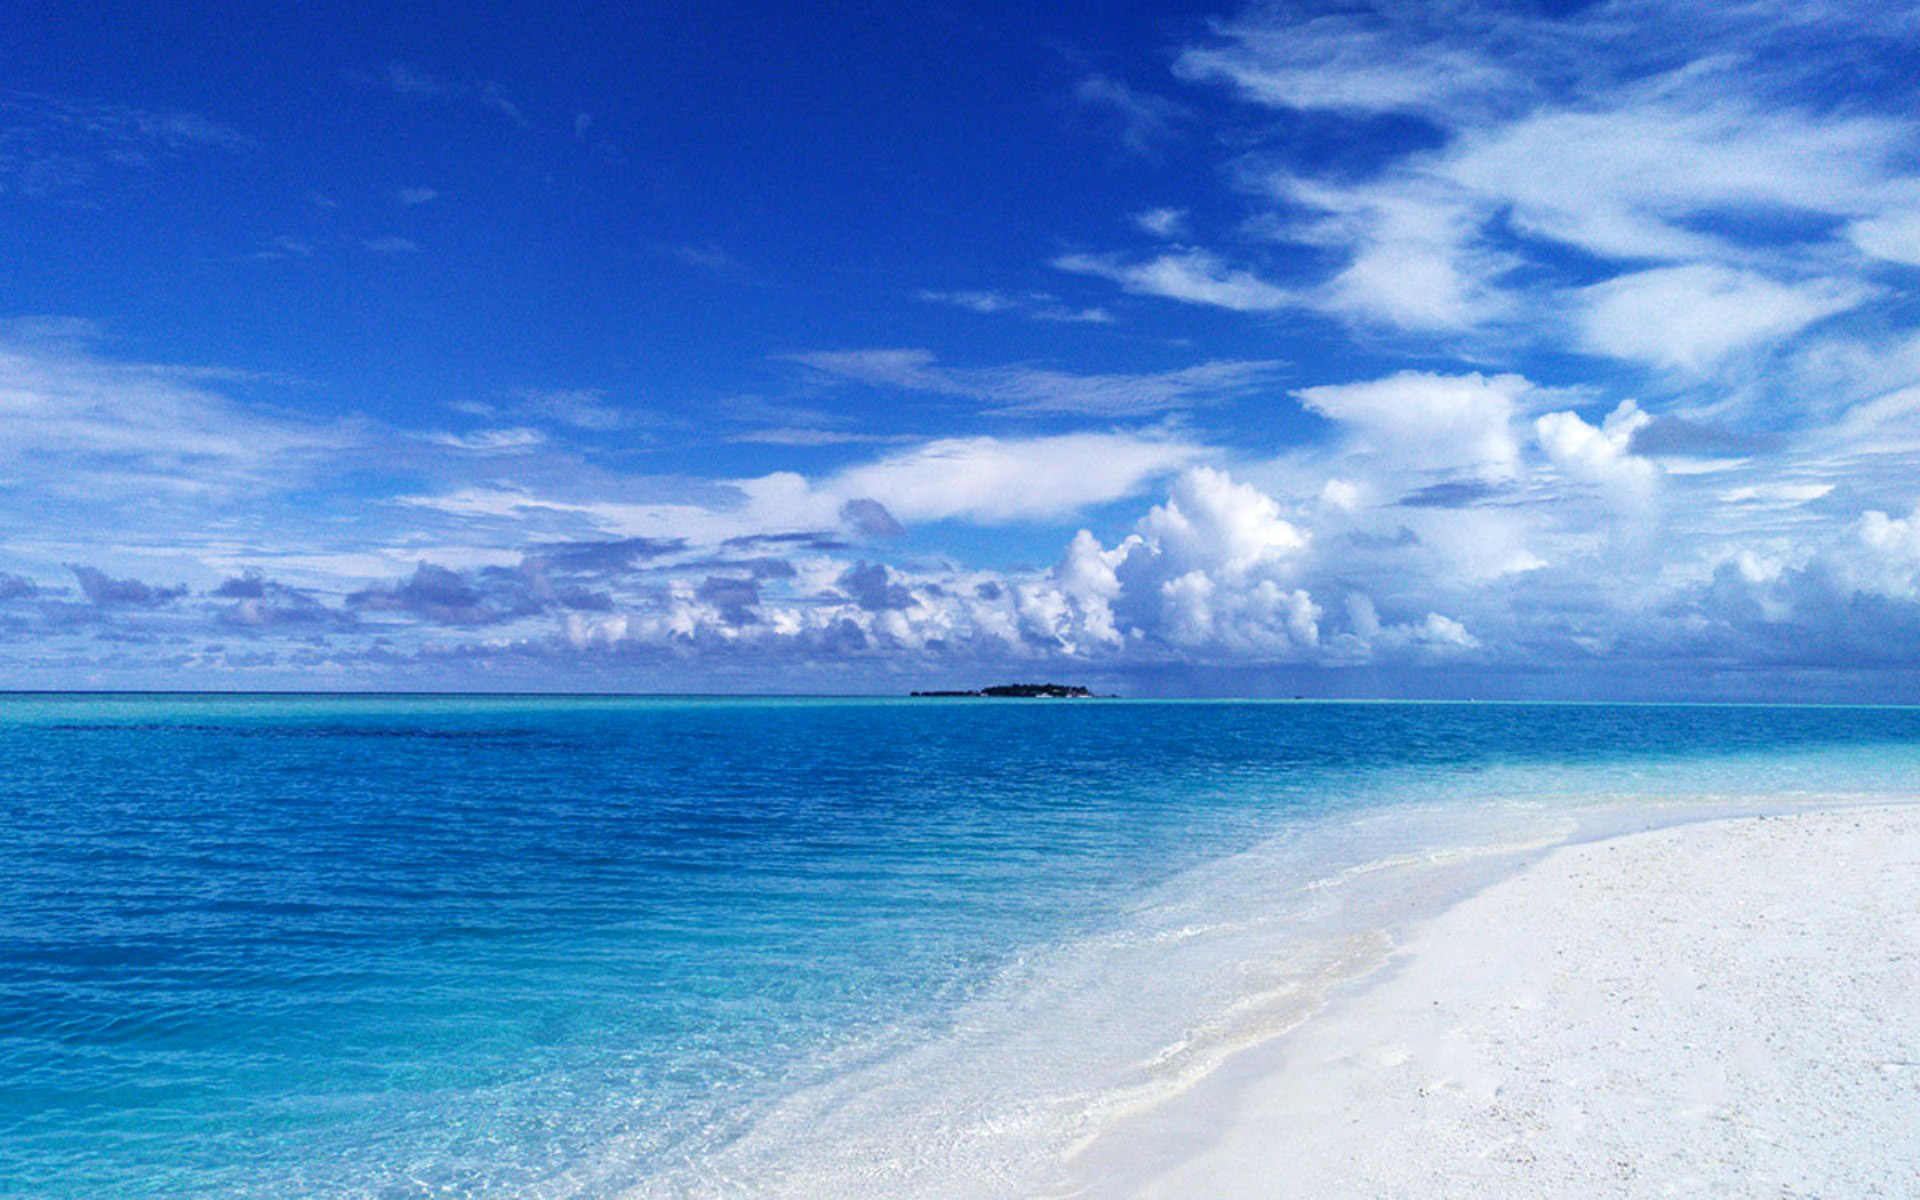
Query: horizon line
[273,693]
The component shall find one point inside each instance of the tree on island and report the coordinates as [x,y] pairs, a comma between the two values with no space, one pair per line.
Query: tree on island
[1023,691]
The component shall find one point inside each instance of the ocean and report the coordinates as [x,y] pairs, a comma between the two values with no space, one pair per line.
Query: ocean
[390,946]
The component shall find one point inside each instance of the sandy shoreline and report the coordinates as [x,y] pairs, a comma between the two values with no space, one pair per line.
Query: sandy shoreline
[1729,1008]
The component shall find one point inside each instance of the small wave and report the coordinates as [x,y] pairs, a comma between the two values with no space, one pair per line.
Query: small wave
[301,732]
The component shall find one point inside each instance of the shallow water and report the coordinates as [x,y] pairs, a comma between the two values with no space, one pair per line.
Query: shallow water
[429,946]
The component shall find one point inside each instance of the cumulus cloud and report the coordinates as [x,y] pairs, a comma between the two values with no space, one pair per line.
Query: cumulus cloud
[874,587]
[1889,561]
[432,593]
[1695,247]
[255,602]
[104,591]
[735,597]
[1445,518]
[606,556]
[1209,569]
[1602,454]
[870,517]
[1218,571]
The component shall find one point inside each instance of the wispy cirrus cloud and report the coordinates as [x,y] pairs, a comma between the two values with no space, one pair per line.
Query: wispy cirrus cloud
[416,82]
[1162,222]
[1188,274]
[1605,145]
[76,423]
[1690,317]
[1034,306]
[1037,391]
[511,440]
[986,480]
[1359,60]
[1140,121]
[53,148]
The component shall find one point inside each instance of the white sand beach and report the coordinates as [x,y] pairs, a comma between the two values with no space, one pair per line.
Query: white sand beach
[1729,1008]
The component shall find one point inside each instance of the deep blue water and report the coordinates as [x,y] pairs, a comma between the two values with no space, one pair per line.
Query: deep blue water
[413,946]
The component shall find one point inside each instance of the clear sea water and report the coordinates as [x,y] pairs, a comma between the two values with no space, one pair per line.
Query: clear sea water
[394,947]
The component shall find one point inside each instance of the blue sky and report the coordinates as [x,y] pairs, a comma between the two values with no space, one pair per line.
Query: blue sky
[1364,349]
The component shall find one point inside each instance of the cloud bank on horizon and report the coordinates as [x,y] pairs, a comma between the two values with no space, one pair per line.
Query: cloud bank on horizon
[1394,348]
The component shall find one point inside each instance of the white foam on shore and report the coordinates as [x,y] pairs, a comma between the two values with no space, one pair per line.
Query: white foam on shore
[1025,1084]
[1082,1038]
[1725,1008]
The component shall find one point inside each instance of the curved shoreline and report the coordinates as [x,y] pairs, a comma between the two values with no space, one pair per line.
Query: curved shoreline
[1715,1007]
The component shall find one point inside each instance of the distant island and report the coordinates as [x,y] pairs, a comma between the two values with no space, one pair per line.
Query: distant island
[1024,691]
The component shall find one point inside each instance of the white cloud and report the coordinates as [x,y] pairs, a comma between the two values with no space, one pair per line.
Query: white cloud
[1599,455]
[1162,222]
[1038,390]
[1892,546]
[58,147]
[409,80]
[998,480]
[517,439]
[1067,315]
[1210,522]
[405,79]
[1325,561]
[1206,571]
[985,480]
[973,301]
[1592,131]
[1893,236]
[582,408]
[1776,493]
[1425,421]
[1690,317]
[414,196]
[1634,177]
[72,423]
[1142,121]
[1035,306]
[1342,63]
[1189,275]
[493,96]
[1414,256]
[1434,632]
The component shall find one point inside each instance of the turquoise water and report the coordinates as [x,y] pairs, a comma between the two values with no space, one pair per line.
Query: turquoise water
[256,946]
